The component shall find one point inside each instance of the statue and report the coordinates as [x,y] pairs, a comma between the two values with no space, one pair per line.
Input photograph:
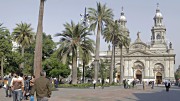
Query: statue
[151,38]
[138,34]
[170,45]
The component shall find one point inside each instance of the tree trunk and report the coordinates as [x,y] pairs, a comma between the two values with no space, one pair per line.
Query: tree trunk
[83,71]
[121,66]
[112,63]
[22,53]
[38,48]
[97,52]
[2,69]
[74,70]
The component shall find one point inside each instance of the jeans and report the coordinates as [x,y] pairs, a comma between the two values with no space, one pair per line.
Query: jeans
[17,95]
[8,91]
[42,99]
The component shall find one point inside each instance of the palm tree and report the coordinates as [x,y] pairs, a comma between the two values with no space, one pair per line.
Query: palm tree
[38,47]
[74,42]
[122,41]
[97,17]
[110,35]
[23,35]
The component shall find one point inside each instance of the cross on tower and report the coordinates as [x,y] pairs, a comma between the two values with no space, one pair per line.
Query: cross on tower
[157,5]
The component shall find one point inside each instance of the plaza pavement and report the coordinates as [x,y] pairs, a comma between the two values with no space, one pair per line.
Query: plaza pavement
[116,93]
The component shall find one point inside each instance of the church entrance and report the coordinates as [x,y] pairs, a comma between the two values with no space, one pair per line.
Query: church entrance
[158,78]
[139,75]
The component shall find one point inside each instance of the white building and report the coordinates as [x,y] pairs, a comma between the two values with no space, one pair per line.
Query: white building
[154,61]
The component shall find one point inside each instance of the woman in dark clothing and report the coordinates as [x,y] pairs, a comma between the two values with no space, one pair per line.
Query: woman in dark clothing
[167,85]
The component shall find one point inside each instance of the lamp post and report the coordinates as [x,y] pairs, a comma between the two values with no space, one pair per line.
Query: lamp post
[85,24]
[169,67]
[85,18]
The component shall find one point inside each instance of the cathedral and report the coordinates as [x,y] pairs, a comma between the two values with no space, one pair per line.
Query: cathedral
[146,62]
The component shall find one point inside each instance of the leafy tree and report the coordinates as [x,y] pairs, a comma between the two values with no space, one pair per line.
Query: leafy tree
[104,70]
[79,74]
[48,50]
[54,68]
[28,67]
[5,46]
[38,47]
[74,42]
[177,73]
[89,72]
[23,35]
[48,46]
[13,59]
[97,17]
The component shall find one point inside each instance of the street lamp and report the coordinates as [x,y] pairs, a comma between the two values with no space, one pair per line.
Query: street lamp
[85,24]
[85,18]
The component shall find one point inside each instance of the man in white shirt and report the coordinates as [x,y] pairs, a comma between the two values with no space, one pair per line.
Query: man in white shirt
[17,85]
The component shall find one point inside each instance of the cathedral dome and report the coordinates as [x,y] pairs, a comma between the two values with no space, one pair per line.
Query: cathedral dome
[158,14]
[122,18]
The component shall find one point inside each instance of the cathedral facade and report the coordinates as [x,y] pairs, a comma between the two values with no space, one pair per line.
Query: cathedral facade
[154,61]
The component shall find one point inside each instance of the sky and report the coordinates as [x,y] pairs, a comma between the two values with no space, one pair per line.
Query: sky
[139,15]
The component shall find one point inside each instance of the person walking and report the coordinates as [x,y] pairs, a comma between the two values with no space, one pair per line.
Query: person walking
[26,88]
[8,88]
[133,83]
[17,86]
[144,85]
[102,83]
[129,83]
[152,85]
[32,82]
[56,82]
[167,85]
[94,83]
[124,83]
[42,87]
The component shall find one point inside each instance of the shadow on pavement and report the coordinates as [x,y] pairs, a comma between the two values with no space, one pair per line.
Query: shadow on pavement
[172,95]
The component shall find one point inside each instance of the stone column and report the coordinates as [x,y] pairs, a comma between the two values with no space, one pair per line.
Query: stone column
[172,68]
[167,69]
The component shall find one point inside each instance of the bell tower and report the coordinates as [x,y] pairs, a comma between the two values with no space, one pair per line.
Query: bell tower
[122,22]
[158,38]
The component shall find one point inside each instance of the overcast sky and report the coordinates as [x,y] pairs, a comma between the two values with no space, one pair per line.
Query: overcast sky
[139,14]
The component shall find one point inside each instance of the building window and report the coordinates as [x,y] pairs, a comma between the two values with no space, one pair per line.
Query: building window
[158,37]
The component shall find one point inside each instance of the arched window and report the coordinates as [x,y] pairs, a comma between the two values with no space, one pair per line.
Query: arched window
[158,37]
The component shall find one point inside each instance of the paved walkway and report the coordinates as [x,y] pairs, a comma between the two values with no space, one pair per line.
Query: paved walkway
[111,94]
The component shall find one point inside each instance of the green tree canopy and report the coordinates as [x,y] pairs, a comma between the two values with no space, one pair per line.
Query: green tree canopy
[48,46]
[54,68]
[5,46]
[177,73]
